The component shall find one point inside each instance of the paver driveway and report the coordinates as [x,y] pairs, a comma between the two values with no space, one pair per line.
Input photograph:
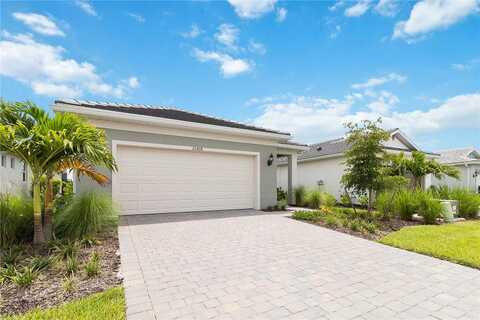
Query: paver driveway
[249,265]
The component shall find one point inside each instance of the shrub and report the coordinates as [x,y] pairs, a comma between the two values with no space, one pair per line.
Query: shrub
[40,263]
[24,277]
[406,204]
[71,265]
[385,205]
[355,225]
[92,267]
[16,219]
[300,193]
[369,227]
[345,200]
[11,255]
[328,200]
[88,213]
[69,284]
[282,205]
[313,199]
[281,194]
[306,215]
[89,242]
[6,273]
[332,221]
[429,208]
[468,202]
[66,250]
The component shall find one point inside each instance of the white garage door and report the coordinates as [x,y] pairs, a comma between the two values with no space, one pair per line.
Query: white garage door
[153,180]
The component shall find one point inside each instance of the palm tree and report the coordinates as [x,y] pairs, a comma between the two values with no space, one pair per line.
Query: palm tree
[81,166]
[419,166]
[43,142]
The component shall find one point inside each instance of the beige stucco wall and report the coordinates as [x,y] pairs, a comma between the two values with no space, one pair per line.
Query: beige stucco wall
[329,170]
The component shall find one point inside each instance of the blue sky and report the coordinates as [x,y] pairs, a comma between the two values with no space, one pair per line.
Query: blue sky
[304,67]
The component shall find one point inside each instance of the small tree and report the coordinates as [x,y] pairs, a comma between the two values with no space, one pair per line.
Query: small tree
[364,158]
[419,166]
[46,143]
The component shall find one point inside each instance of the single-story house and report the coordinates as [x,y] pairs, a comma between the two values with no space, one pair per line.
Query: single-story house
[322,165]
[172,160]
[14,174]
[467,161]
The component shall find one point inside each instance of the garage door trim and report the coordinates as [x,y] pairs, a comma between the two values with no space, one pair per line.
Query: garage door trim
[194,148]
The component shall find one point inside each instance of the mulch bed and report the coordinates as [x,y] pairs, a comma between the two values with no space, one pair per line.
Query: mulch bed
[47,290]
[385,227]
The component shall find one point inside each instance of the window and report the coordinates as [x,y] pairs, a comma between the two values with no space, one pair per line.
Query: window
[4,160]
[24,172]
[12,163]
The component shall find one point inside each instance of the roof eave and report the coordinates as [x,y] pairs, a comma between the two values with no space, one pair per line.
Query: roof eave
[143,119]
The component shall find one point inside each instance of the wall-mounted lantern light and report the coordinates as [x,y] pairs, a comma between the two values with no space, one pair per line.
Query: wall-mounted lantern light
[270,160]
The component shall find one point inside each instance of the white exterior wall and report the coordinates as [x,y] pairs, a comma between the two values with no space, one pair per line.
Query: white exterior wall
[329,170]
[466,180]
[11,178]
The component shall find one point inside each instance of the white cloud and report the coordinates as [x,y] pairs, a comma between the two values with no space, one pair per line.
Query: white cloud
[256,47]
[314,119]
[387,8]
[337,5]
[252,9]
[429,15]
[358,9]
[86,7]
[384,103]
[139,18]
[373,82]
[55,90]
[229,67]
[45,69]
[133,82]
[281,14]
[194,32]
[460,66]
[39,23]
[227,35]
[336,31]
[466,66]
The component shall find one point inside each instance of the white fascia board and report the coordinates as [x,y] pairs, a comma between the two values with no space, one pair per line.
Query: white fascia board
[319,158]
[142,119]
[462,163]
[405,139]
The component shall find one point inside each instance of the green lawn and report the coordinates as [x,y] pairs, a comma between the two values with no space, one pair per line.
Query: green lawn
[108,305]
[459,242]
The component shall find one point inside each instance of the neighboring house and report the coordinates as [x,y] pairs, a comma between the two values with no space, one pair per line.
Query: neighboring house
[14,174]
[171,160]
[467,161]
[322,165]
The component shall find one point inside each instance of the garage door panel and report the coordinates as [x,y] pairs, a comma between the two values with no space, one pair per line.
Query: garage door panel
[151,180]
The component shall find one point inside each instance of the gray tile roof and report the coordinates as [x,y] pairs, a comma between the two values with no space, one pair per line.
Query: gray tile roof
[459,155]
[337,146]
[165,112]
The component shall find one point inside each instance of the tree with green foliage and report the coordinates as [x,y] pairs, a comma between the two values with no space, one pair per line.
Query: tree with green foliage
[44,143]
[364,158]
[417,166]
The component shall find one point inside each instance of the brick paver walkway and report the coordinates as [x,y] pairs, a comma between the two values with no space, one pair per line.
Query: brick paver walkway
[249,265]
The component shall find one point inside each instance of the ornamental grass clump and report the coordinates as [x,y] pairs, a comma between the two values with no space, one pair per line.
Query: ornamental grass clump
[313,199]
[86,215]
[406,204]
[300,193]
[16,219]
[429,208]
